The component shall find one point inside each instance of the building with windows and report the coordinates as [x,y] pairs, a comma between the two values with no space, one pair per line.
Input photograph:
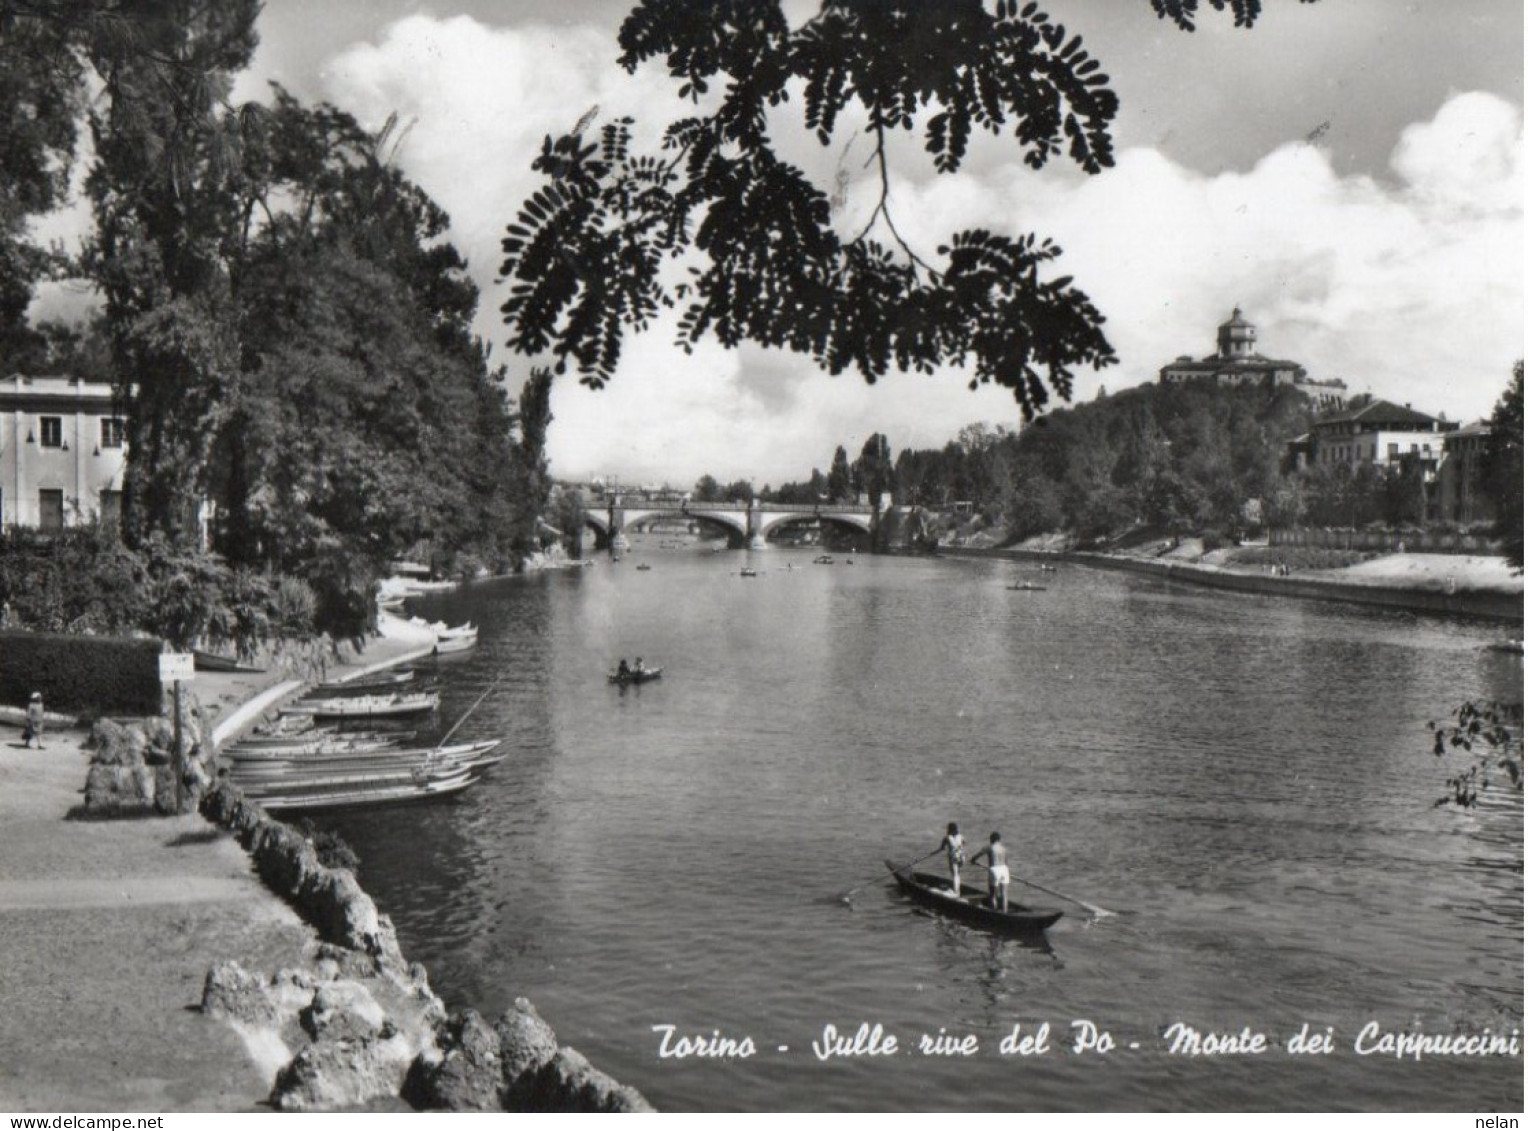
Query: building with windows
[63,451]
[1460,491]
[1373,431]
[1236,362]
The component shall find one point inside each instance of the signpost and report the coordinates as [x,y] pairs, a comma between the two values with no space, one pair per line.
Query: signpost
[173,668]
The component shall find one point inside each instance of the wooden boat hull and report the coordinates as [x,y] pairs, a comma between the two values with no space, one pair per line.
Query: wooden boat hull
[365,707]
[368,798]
[365,684]
[445,645]
[387,758]
[933,892]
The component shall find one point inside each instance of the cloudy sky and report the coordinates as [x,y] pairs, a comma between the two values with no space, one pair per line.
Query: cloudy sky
[1350,173]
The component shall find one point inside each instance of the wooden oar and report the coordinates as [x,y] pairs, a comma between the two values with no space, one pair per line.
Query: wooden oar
[469,711]
[1093,908]
[909,864]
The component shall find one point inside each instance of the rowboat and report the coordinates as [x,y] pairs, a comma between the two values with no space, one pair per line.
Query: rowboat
[377,679]
[748,572]
[382,757]
[444,645]
[367,796]
[970,906]
[366,706]
[646,675]
[401,767]
[344,744]
[1026,587]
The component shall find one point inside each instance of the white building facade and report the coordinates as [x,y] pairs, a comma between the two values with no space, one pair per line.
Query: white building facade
[63,450]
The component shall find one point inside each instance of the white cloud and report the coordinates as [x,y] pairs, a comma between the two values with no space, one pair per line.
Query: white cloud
[1412,289]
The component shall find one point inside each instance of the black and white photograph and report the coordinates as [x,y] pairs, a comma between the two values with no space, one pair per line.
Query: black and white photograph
[746,556]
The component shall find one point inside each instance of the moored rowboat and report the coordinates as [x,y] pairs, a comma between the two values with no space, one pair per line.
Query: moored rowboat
[366,706]
[970,906]
[371,795]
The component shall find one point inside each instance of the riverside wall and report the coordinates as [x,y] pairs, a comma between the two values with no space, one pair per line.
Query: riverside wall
[1482,604]
[366,1021]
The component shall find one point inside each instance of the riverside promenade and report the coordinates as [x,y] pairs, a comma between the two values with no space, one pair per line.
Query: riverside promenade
[108,928]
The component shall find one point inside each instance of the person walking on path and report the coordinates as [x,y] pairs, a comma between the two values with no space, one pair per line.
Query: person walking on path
[34,721]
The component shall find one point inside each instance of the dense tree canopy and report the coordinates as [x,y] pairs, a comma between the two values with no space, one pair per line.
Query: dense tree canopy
[586,255]
[287,326]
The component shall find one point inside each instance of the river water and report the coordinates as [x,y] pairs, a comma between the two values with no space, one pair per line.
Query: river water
[1246,781]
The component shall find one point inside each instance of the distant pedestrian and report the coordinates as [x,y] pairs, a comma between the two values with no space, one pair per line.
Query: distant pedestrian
[34,721]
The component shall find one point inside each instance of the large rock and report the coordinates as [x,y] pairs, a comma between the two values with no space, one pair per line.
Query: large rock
[466,1075]
[234,993]
[570,1083]
[332,1074]
[343,1011]
[526,1042]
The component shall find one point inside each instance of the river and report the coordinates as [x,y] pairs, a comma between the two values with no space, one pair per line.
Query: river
[1246,781]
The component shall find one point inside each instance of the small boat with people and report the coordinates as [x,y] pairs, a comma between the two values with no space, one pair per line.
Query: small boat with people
[748,571]
[823,559]
[637,674]
[971,904]
[1026,587]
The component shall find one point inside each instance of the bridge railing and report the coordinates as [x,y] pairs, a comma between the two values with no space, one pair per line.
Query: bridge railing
[630,503]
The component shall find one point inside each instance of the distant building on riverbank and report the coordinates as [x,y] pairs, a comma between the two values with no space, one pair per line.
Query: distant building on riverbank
[1373,431]
[1461,491]
[1236,362]
[63,449]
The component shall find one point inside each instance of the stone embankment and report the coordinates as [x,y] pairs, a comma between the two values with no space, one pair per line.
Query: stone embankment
[364,1022]
[1470,602]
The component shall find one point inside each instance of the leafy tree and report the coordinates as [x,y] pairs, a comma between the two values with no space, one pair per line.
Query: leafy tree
[586,253]
[707,490]
[1504,469]
[875,468]
[162,189]
[840,489]
[42,98]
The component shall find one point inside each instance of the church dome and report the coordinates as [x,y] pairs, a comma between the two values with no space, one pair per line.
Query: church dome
[1236,335]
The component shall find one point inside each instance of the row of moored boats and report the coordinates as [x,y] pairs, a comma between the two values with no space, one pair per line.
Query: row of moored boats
[309,759]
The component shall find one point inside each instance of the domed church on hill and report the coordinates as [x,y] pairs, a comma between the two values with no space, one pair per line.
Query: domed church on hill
[1236,362]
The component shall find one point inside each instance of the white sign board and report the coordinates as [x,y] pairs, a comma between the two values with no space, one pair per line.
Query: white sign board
[176,665]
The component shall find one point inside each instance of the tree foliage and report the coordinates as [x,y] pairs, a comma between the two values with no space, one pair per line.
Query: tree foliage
[287,326]
[1492,734]
[763,261]
[1504,469]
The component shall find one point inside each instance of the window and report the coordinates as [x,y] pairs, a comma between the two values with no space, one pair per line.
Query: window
[1395,451]
[52,428]
[113,430]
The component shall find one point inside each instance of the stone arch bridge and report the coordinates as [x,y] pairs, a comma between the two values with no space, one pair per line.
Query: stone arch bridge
[745,524]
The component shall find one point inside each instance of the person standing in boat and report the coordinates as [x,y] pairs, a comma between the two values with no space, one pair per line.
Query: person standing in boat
[997,870]
[623,670]
[639,667]
[954,846]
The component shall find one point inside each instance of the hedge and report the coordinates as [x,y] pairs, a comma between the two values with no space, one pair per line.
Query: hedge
[99,674]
